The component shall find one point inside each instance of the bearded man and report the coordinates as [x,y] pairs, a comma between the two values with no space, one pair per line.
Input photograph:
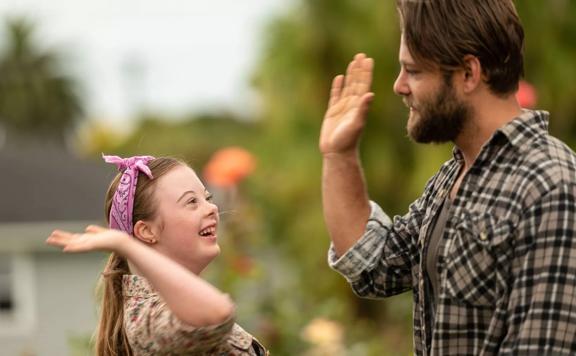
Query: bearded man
[489,248]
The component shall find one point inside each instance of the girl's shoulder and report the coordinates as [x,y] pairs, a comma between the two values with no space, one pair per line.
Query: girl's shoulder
[152,329]
[242,343]
[136,286]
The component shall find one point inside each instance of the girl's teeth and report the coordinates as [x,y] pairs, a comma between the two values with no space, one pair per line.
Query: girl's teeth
[208,231]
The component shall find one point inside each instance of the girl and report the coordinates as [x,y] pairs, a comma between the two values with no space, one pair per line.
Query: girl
[162,234]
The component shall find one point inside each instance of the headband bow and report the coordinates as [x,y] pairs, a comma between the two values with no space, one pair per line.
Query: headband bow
[123,200]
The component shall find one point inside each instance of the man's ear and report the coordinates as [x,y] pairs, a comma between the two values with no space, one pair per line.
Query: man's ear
[471,73]
[144,231]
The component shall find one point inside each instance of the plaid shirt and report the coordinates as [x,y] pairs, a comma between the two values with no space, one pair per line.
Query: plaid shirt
[507,257]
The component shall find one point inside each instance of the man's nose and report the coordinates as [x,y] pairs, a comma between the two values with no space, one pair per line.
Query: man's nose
[400,84]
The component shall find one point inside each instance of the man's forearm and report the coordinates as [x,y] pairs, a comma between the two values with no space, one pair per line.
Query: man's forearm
[345,199]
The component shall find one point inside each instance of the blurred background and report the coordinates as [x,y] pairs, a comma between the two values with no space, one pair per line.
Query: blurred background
[238,89]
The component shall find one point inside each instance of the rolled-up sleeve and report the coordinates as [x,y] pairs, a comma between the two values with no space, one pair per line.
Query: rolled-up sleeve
[366,252]
[380,263]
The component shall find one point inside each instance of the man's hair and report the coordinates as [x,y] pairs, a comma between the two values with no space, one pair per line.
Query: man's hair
[442,32]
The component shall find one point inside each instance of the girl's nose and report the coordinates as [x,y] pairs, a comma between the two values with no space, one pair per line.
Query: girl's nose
[212,208]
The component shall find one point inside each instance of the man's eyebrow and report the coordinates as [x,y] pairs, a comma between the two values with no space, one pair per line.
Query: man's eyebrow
[184,194]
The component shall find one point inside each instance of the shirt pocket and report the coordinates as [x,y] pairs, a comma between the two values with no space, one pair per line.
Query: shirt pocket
[477,259]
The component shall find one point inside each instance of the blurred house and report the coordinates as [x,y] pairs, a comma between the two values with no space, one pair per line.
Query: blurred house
[47,299]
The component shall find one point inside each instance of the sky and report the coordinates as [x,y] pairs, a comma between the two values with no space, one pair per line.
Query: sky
[172,57]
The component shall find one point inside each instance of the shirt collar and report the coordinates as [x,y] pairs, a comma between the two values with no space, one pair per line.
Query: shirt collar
[526,127]
[136,286]
[520,131]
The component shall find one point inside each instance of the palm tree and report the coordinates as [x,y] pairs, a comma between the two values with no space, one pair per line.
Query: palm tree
[36,97]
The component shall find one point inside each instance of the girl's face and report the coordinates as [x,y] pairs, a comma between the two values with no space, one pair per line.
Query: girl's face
[186,219]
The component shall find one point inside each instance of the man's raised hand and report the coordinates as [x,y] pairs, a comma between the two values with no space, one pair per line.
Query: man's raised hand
[350,97]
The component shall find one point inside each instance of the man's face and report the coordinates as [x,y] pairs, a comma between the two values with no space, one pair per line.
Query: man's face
[437,114]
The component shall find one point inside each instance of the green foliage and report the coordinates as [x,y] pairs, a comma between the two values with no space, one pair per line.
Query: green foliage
[550,55]
[193,139]
[35,96]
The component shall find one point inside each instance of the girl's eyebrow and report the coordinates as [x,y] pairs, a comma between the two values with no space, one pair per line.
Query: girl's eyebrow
[184,194]
[190,192]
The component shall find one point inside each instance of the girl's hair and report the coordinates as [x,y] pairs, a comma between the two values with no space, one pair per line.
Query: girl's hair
[111,339]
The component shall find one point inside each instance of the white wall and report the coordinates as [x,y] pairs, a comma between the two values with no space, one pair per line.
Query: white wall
[64,304]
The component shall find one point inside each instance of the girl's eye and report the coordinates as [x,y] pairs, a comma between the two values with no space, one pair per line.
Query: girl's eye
[209,198]
[192,201]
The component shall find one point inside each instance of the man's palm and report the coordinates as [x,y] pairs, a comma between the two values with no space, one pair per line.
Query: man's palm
[349,100]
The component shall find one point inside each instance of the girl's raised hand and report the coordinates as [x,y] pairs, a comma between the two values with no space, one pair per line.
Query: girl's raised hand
[95,238]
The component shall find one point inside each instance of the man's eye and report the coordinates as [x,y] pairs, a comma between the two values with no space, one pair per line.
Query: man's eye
[192,201]
[412,71]
[209,197]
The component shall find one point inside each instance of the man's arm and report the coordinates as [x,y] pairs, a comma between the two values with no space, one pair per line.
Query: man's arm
[344,195]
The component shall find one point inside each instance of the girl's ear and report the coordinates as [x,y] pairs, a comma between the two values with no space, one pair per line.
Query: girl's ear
[144,232]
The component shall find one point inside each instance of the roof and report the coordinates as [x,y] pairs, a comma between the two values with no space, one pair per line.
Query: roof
[43,181]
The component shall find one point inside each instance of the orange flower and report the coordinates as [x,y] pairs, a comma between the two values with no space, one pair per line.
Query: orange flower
[228,166]
[243,265]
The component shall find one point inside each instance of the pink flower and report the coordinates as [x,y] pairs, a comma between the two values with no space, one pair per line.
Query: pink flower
[526,95]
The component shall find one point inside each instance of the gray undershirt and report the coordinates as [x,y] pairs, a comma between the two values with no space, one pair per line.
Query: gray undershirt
[432,251]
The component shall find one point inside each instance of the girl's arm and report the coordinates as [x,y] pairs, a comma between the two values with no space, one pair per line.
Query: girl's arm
[191,299]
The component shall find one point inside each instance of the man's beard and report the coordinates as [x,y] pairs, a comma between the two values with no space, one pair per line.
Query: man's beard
[441,118]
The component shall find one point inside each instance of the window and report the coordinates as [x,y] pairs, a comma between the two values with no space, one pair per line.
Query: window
[17,308]
[6,289]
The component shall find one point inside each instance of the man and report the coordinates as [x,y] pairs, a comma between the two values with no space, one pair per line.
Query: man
[489,249]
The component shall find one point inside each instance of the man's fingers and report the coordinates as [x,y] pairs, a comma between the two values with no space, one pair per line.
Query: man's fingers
[365,104]
[348,80]
[365,76]
[356,74]
[336,90]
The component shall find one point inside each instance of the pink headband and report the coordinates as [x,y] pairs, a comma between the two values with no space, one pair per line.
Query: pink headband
[123,200]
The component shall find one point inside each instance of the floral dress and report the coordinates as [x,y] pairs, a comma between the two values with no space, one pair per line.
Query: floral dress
[152,329]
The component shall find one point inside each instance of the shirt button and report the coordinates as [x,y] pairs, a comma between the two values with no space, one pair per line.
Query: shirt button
[483,236]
